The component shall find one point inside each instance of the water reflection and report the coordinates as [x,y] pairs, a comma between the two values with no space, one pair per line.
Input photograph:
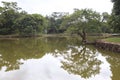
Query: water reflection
[81,61]
[114,61]
[14,50]
[11,51]
[55,59]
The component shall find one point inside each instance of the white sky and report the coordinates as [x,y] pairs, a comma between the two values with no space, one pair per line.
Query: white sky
[46,7]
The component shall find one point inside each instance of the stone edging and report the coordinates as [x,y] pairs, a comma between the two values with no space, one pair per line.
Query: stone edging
[114,47]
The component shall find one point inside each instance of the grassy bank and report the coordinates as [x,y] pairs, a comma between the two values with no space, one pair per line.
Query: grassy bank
[110,44]
[113,40]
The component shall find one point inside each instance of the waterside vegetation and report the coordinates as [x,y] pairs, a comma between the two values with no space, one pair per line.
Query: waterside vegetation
[15,22]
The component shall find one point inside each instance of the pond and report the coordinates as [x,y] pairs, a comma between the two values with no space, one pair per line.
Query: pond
[56,58]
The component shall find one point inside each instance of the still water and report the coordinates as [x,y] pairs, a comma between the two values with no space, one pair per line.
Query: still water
[55,58]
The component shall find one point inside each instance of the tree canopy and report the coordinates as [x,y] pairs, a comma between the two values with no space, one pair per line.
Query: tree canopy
[14,20]
[85,21]
[116,16]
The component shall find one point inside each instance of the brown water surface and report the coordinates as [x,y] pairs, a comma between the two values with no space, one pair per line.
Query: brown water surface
[55,58]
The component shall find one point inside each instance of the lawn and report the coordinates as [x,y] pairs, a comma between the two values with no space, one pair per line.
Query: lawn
[114,40]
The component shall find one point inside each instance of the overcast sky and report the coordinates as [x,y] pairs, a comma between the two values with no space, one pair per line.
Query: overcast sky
[46,7]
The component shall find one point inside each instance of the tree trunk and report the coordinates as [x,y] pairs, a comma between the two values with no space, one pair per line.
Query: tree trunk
[83,36]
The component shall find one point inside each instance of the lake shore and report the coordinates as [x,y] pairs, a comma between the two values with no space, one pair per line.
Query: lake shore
[39,35]
[100,43]
[110,46]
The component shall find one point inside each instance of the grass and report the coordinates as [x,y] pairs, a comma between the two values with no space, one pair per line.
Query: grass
[114,40]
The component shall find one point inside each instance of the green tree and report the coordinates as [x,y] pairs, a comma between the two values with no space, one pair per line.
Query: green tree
[82,22]
[116,7]
[8,14]
[105,27]
[116,16]
[55,21]
[30,24]
[115,24]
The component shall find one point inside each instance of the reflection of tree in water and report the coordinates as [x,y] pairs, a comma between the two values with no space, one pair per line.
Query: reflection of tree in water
[114,61]
[10,65]
[80,61]
[14,50]
[115,67]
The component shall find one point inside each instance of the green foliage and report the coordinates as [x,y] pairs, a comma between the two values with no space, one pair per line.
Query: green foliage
[14,21]
[115,23]
[105,23]
[116,16]
[55,21]
[8,14]
[84,19]
[29,24]
[116,7]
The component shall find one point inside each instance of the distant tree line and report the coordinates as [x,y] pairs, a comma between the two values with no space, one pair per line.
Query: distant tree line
[14,20]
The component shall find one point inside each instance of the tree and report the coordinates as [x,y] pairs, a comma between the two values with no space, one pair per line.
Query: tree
[105,23]
[115,24]
[80,61]
[55,21]
[116,16]
[82,22]
[116,7]
[8,14]
[30,24]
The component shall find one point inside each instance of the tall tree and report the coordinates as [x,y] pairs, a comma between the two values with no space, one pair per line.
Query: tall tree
[55,21]
[9,12]
[30,24]
[116,16]
[116,7]
[105,20]
[82,22]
